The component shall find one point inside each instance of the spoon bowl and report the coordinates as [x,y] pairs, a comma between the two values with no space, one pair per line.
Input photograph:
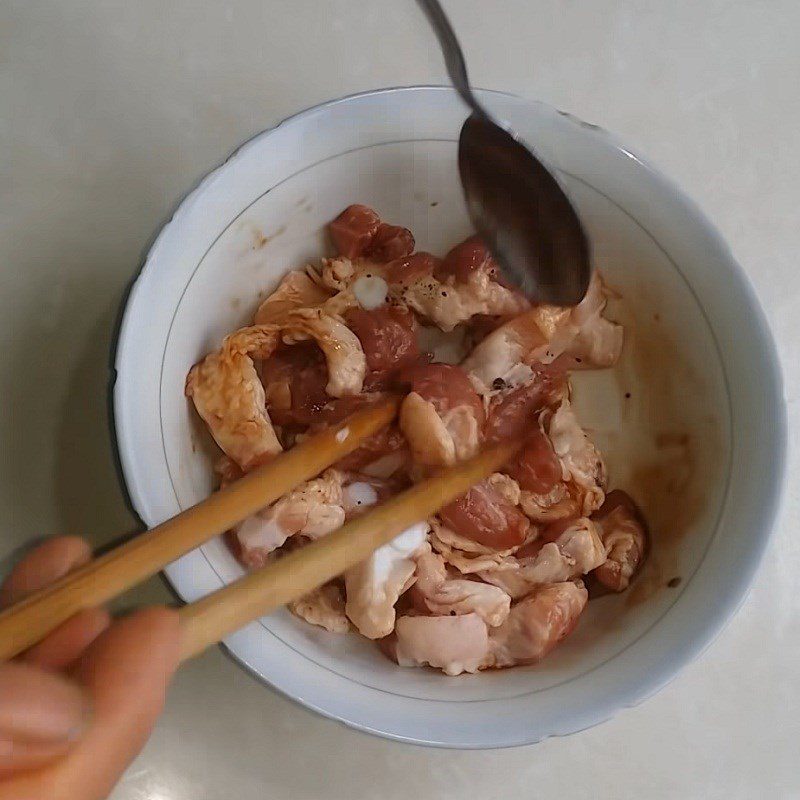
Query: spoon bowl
[515,203]
[523,215]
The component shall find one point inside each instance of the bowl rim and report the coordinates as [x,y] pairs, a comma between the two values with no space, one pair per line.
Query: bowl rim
[715,619]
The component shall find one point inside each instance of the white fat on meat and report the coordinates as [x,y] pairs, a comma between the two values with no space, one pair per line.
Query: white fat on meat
[358,495]
[338,274]
[444,595]
[370,291]
[314,509]
[597,345]
[492,360]
[449,304]
[323,607]
[547,507]
[446,536]
[439,439]
[296,290]
[520,341]
[445,304]
[385,466]
[506,487]
[581,463]
[457,644]
[229,396]
[588,339]
[374,586]
[544,333]
[227,391]
[452,644]
[347,364]
[259,535]
[577,550]
[537,624]
[446,347]
[466,556]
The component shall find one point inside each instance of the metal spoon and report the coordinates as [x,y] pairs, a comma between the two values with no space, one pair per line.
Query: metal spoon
[516,204]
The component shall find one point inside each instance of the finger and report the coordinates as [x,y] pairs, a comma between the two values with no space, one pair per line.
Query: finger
[24,757]
[126,671]
[67,642]
[46,564]
[41,714]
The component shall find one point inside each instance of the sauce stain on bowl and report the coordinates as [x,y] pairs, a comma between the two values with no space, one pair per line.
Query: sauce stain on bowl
[651,421]
[677,463]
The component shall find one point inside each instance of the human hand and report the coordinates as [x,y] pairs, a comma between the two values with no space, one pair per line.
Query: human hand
[76,708]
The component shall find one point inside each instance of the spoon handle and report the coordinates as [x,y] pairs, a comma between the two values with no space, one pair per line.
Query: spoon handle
[453,55]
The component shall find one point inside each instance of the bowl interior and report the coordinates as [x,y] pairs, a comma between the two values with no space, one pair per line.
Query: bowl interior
[663,417]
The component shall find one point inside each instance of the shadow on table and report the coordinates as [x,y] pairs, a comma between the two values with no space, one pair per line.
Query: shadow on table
[58,398]
[89,493]
[90,500]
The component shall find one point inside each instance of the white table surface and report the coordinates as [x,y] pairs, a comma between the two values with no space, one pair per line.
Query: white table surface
[111,110]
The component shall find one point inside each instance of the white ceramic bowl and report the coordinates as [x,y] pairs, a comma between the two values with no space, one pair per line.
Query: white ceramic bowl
[700,441]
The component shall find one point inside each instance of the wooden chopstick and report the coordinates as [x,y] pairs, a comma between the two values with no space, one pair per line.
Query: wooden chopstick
[210,619]
[24,624]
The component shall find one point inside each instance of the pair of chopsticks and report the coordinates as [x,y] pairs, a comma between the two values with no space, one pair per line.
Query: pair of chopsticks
[213,617]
